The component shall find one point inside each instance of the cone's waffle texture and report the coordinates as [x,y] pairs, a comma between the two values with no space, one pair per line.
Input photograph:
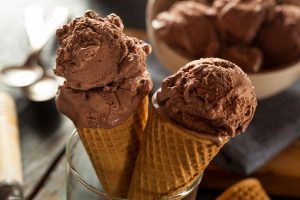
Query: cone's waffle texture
[113,151]
[170,160]
[248,189]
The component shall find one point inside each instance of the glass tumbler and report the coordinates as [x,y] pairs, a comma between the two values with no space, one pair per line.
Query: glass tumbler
[82,181]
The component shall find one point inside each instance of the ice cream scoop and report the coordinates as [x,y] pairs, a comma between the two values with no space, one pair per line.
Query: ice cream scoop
[176,27]
[104,107]
[239,20]
[279,39]
[248,58]
[209,95]
[95,52]
[292,2]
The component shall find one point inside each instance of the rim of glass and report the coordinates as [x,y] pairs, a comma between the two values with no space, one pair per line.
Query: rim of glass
[102,193]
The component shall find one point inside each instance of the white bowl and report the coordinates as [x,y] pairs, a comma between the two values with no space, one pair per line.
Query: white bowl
[267,83]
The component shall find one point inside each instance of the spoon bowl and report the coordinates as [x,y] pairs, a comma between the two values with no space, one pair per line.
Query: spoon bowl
[20,76]
[36,82]
[42,90]
[38,34]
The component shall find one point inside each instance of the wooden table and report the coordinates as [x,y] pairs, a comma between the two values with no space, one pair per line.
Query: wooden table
[44,132]
[279,176]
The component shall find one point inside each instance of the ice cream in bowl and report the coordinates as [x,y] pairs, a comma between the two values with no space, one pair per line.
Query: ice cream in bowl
[260,36]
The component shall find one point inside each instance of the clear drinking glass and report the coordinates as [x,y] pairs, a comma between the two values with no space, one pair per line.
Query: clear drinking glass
[82,181]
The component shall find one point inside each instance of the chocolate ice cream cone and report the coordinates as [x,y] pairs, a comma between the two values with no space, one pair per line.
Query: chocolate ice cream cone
[105,93]
[171,159]
[193,114]
[113,151]
[245,189]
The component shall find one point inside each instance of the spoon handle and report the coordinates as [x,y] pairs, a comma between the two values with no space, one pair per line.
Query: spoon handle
[34,23]
[59,17]
[10,156]
[39,32]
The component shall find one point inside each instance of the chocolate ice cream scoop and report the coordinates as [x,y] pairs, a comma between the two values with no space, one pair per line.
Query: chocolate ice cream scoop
[239,20]
[248,58]
[105,71]
[95,52]
[211,95]
[104,107]
[292,2]
[187,26]
[280,38]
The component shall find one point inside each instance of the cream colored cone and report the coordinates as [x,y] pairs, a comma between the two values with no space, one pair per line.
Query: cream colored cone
[113,151]
[248,189]
[171,158]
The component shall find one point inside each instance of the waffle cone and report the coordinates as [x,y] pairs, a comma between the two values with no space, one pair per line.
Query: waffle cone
[248,189]
[170,160]
[113,151]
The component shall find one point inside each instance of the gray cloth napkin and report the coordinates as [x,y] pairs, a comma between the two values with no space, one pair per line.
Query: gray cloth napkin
[275,125]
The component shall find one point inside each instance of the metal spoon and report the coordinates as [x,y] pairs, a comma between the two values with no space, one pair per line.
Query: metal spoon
[31,71]
[45,88]
[20,76]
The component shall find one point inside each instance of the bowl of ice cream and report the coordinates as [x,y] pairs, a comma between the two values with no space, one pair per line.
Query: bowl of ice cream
[262,37]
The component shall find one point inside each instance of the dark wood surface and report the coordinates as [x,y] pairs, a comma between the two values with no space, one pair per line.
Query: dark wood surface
[43,130]
[280,176]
